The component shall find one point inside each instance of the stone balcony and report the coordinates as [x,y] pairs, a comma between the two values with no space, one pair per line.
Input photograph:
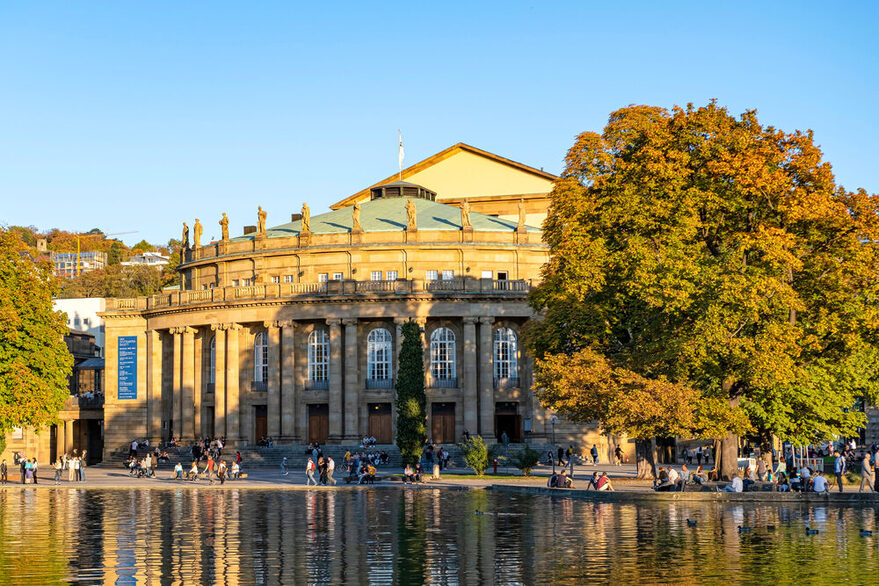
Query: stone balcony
[400,287]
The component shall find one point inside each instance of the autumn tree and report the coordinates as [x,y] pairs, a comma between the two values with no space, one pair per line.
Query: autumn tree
[707,277]
[34,361]
[411,400]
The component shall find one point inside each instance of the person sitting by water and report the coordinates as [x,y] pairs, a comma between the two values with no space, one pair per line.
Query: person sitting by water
[735,485]
[686,477]
[178,471]
[553,481]
[564,481]
[193,472]
[819,483]
[604,483]
[661,483]
[409,474]
[782,485]
[674,478]
[805,478]
[236,470]
[368,475]
[699,476]
[749,478]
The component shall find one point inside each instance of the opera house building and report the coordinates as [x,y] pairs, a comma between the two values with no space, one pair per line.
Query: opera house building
[291,328]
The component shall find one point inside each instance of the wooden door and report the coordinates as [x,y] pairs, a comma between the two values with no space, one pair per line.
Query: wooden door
[380,422]
[442,423]
[260,422]
[318,422]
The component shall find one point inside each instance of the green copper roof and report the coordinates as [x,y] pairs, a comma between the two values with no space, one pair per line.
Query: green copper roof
[389,215]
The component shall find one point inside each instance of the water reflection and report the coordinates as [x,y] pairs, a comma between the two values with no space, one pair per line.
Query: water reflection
[415,536]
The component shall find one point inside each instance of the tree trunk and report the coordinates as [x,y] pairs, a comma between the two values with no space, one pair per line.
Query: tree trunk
[726,456]
[645,457]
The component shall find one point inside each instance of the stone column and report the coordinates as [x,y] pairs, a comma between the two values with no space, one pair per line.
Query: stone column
[486,380]
[176,383]
[219,379]
[68,437]
[273,386]
[469,384]
[233,398]
[154,387]
[335,382]
[352,390]
[187,395]
[288,397]
[398,324]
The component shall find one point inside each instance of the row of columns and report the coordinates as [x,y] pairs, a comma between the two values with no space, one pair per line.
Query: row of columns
[281,393]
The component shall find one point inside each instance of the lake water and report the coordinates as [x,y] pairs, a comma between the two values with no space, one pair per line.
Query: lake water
[387,535]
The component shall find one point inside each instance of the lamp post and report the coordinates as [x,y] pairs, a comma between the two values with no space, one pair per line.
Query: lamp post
[552,420]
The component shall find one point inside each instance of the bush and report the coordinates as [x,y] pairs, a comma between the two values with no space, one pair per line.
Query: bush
[475,454]
[525,460]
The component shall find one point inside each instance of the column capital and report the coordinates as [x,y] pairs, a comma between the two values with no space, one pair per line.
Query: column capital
[271,324]
[333,321]
[188,330]
[421,321]
[233,326]
[288,323]
[486,320]
[350,321]
[218,327]
[470,320]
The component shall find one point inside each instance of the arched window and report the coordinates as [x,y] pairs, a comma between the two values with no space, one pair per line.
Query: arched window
[442,354]
[212,373]
[318,355]
[378,353]
[506,354]
[261,357]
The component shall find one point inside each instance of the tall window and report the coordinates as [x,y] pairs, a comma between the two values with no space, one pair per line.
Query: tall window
[376,276]
[431,275]
[442,354]
[212,373]
[506,354]
[322,278]
[318,355]
[260,357]
[448,275]
[378,352]
[391,275]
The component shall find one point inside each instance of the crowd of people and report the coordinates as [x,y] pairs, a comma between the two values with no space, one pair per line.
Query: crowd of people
[73,463]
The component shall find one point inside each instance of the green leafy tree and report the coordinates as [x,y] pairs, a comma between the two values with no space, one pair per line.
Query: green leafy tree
[116,253]
[706,254]
[143,246]
[34,361]
[411,400]
[475,454]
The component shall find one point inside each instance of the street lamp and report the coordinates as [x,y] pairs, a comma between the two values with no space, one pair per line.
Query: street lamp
[553,420]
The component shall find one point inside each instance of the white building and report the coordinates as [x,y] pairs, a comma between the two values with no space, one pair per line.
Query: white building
[82,315]
[153,259]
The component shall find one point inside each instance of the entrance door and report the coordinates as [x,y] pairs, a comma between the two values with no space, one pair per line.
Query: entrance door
[53,444]
[380,422]
[442,423]
[507,420]
[260,422]
[318,422]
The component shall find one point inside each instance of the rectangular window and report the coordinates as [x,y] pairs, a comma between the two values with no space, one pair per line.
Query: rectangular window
[235,283]
[276,279]
[322,278]
[204,287]
[247,282]
[391,275]
[502,275]
[288,278]
[376,276]
[487,275]
[337,276]
[448,275]
[431,276]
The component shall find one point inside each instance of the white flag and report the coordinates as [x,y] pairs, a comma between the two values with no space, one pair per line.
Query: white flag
[402,154]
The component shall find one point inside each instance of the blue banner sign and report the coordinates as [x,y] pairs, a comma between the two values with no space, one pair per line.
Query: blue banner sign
[127,386]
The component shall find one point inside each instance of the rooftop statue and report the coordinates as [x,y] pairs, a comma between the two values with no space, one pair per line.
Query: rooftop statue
[224,224]
[411,223]
[306,220]
[465,215]
[261,221]
[196,234]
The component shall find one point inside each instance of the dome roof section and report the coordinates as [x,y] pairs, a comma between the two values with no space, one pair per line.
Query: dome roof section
[388,214]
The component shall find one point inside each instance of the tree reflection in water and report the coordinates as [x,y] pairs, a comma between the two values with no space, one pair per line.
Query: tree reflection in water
[416,535]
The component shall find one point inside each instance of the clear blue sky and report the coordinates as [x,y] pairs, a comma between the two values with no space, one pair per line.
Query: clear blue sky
[140,115]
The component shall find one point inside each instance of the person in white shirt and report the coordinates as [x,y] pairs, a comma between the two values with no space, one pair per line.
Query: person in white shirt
[735,485]
[819,484]
[673,476]
[331,465]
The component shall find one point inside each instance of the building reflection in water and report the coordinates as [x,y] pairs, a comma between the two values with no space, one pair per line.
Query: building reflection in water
[413,536]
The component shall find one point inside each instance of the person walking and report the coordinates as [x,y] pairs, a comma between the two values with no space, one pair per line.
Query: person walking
[839,468]
[35,468]
[77,469]
[284,466]
[71,470]
[58,467]
[331,466]
[866,474]
[4,470]
[619,455]
[322,470]
[221,472]
[594,452]
[209,469]
[23,464]
[82,463]
[309,473]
